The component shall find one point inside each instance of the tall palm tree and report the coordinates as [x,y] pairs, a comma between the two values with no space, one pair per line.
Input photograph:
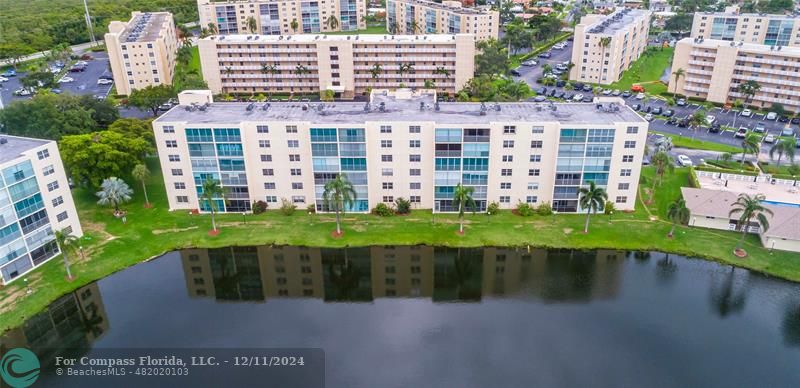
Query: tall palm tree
[415,27]
[604,43]
[295,25]
[749,89]
[697,120]
[213,29]
[300,70]
[749,207]
[784,146]
[185,33]
[141,173]
[592,199]
[332,22]
[677,74]
[66,242]
[678,213]
[271,70]
[751,144]
[211,190]
[429,84]
[663,163]
[338,194]
[442,70]
[376,70]
[405,68]
[462,197]
[114,192]
[251,24]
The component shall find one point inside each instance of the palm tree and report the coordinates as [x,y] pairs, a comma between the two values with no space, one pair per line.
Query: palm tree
[442,70]
[697,120]
[592,199]
[677,74]
[663,163]
[375,70]
[747,208]
[212,189]
[749,89]
[114,192]
[784,146]
[300,70]
[271,70]
[546,68]
[185,33]
[415,27]
[462,197]
[429,84]
[339,192]
[213,29]
[332,22]
[65,241]
[604,43]
[405,68]
[294,25]
[678,213]
[751,144]
[141,173]
[251,24]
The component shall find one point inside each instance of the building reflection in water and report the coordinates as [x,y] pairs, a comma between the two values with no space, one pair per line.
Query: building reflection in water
[364,274]
[67,328]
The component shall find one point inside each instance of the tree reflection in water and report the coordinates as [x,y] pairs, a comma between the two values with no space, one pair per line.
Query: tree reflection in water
[725,300]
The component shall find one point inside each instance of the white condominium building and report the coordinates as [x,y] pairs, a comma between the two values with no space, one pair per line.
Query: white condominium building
[400,144]
[35,201]
[606,46]
[714,69]
[447,17]
[772,30]
[143,51]
[346,64]
[282,17]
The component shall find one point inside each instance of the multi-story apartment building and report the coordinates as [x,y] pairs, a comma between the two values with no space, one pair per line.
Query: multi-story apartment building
[282,17]
[400,144]
[35,201]
[714,69]
[606,46]
[447,17]
[346,64]
[142,52]
[772,30]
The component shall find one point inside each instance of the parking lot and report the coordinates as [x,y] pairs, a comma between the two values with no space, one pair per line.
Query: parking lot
[84,82]
[530,74]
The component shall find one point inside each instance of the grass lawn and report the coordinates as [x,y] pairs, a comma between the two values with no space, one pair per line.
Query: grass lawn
[697,144]
[369,30]
[784,169]
[194,63]
[110,245]
[647,71]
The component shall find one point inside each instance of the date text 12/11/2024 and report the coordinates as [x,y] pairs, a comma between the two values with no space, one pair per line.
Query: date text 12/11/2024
[146,361]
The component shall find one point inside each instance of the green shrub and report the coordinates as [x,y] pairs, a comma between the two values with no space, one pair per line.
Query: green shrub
[287,207]
[544,209]
[524,209]
[311,209]
[608,208]
[383,210]
[402,206]
[493,208]
[259,207]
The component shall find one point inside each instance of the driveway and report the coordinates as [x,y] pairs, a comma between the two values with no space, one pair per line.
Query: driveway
[530,74]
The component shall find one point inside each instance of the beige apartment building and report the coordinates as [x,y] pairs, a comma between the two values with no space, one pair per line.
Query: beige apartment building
[399,144]
[447,17]
[772,30]
[714,69]
[606,45]
[35,202]
[282,17]
[142,52]
[346,64]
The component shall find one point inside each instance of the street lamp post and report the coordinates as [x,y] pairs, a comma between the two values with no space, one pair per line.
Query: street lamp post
[244,217]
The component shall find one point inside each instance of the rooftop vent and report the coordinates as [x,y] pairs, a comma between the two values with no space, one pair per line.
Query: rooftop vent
[251,106]
[367,108]
[265,106]
[305,107]
[496,107]
[204,107]
[483,109]
[382,107]
[421,105]
[436,106]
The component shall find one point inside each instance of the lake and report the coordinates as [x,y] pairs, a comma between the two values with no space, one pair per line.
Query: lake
[443,317]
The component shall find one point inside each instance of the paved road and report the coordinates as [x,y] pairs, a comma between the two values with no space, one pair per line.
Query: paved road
[78,48]
[84,82]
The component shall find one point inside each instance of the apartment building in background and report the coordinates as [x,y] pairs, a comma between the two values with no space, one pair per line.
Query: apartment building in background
[35,201]
[142,52]
[754,28]
[606,45]
[447,17]
[349,65]
[399,144]
[714,69]
[276,17]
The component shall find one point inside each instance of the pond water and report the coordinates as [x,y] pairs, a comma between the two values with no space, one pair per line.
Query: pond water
[444,317]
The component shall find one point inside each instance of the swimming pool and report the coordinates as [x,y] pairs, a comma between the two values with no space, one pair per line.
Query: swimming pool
[776,203]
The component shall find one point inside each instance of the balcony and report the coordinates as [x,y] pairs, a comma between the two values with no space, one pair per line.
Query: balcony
[267,59]
[251,50]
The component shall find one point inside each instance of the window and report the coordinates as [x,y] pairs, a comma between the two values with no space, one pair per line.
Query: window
[508,143]
[182,199]
[297,185]
[174,158]
[262,128]
[414,143]
[387,172]
[293,143]
[627,158]
[386,144]
[271,199]
[168,129]
[630,144]
[621,199]
[505,199]
[388,198]
[58,201]
[177,172]
[386,158]
[505,185]
[47,170]
[268,172]
[508,158]
[388,185]
[415,185]
[534,172]
[414,129]
[415,172]
[386,129]
[533,186]
[531,199]
[415,158]
[625,172]
[52,186]
[536,144]
[180,186]
[269,185]
[509,129]
[298,199]
[266,158]
[415,199]
[43,154]
[633,130]
[294,158]
[291,129]
[62,216]
[537,129]
[623,186]
[172,144]
[505,172]
[296,172]
[263,143]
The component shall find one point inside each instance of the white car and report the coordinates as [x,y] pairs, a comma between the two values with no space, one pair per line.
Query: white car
[66,80]
[578,97]
[3,79]
[22,92]
[770,138]
[640,96]
[529,63]
[710,119]
[684,161]
[771,116]
[648,117]
[606,92]
[103,81]
[746,113]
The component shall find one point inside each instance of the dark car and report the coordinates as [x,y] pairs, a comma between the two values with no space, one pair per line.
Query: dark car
[657,110]
[647,109]
[77,68]
[545,54]
[568,96]
[668,113]
[515,72]
[560,94]
[552,92]
[783,119]
[715,128]
[107,75]
[795,120]
[588,99]
[577,86]
[683,123]
[541,91]
[587,88]
[560,83]
[636,107]
[672,121]
[626,94]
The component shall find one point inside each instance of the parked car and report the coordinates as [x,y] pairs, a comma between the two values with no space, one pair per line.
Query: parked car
[788,131]
[606,92]
[56,91]
[771,116]
[783,118]
[647,109]
[552,92]
[615,93]
[541,91]
[637,89]
[560,83]
[684,161]
[107,75]
[529,63]
[672,121]
[3,79]
[684,122]
[66,80]
[710,119]
[587,88]
[636,107]
[102,81]
[770,138]
[657,110]
[578,97]
[648,117]
[515,72]
[587,99]
[545,54]
[559,94]
[539,98]
[22,92]
[795,120]
[741,133]
[77,68]
[760,128]
[578,86]
[715,128]
[681,102]
[9,73]
[746,113]
[626,94]
[668,113]
[640,96]
[568,96]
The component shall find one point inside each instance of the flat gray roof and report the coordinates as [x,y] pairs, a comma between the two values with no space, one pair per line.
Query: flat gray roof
[144,27]
[15,146]
[402,110]
[616,21]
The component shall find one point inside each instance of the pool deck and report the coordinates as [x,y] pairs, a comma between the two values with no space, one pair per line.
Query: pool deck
[772,192]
